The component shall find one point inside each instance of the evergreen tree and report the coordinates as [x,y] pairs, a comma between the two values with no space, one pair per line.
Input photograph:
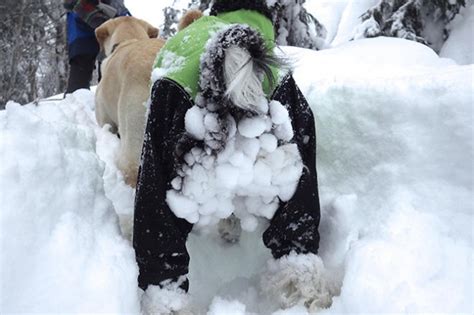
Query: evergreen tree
[294,26]
[33,43]
[424,21]
[172,16]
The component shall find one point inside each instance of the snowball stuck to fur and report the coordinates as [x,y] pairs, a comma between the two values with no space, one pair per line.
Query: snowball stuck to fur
[182,206]
[248,177]
[252,127]
[268,142]
[194,122]
[278,113]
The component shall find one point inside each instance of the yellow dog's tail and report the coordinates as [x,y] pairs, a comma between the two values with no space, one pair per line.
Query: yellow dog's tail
[188,18]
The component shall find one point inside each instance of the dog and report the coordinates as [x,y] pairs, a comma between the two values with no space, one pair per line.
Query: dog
[229,136]
[130,46]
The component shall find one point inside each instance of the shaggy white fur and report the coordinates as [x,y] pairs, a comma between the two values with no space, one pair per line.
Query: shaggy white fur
[244,83]
[169,300]
[298,277]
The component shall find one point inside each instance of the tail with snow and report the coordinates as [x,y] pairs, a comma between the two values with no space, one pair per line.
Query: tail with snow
[234,67]
[232,73]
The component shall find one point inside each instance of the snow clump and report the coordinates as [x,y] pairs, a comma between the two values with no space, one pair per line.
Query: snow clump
[170,63]
[257,168]
[62,251]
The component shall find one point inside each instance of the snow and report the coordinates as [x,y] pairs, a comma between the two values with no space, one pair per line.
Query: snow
[329,13]
[222,306]
[396,174]
[460,43]
[170,63]
[60,236]
[350,19]
[194,118]
[245,178]
[395,150]
[157,300]
[252,127]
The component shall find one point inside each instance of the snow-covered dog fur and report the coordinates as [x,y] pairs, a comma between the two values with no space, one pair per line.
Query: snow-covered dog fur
[232,70]
[130,46]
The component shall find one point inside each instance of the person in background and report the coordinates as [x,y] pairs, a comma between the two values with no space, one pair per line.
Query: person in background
[83,17]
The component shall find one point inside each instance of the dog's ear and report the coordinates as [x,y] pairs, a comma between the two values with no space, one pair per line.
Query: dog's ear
[188,18]
[150,29]
[101,33]
[152,32]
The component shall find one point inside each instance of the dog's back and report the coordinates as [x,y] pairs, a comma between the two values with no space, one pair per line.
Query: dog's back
[124,88]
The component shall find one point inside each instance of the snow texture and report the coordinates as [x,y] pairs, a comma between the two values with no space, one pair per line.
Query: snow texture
[459,45]
[395,169]
[350,19]
[62,250]
[395,151]
[169,64]
[295,26]
[329,13]
[166,300]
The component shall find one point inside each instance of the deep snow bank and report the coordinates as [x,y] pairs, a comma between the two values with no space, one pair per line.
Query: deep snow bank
[460,43]
[395,155]
[61,248]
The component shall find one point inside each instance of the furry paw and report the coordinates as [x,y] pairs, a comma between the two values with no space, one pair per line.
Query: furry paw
[229,229]
[164,301]
[294,278]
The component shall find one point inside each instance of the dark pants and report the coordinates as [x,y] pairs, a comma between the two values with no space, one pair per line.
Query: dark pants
[81,68]
[159,237]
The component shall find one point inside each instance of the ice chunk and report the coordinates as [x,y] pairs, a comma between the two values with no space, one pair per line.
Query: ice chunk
[194,122]
[279,113]
[252,127]
[268,142]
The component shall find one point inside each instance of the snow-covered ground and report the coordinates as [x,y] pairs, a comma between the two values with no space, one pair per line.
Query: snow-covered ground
[395,162]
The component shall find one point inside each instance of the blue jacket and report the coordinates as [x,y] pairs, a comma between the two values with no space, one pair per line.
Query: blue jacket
[81,37]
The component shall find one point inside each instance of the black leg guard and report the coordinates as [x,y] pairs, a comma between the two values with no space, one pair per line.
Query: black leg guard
[294,226]
[159,237]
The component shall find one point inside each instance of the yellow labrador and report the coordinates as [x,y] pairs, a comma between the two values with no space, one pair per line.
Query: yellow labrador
[130,46]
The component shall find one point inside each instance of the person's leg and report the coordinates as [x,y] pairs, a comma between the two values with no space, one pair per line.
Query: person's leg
[81,68]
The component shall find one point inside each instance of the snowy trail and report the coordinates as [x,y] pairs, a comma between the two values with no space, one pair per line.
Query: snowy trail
[395,152]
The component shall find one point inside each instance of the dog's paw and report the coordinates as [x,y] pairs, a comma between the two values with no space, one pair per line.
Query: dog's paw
[298,278]
[229,229]
[164,301]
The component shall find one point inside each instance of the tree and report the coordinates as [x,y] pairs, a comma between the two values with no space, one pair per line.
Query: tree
[33,41]
[171,21]
[294,26]
[423,21]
